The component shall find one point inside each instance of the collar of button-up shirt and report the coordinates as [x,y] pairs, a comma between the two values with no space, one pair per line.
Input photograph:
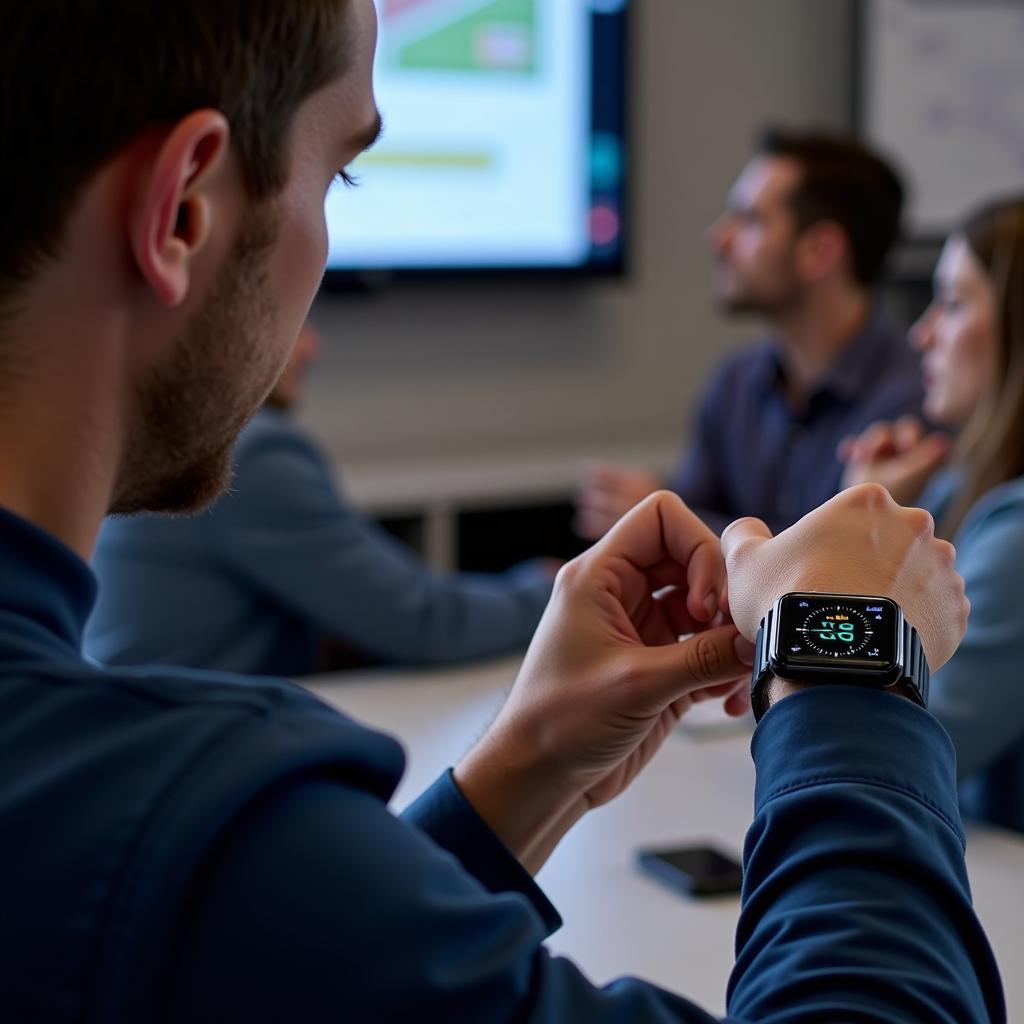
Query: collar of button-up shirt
[849,376]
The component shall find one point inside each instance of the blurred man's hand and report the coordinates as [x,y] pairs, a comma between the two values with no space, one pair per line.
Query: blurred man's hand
[606,493]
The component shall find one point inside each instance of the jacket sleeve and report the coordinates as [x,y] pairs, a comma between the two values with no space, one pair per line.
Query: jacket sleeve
[288,530]
[977,695]
[322,906]
[856,904]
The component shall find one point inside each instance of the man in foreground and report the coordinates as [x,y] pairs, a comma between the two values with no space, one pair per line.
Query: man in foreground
[188,847]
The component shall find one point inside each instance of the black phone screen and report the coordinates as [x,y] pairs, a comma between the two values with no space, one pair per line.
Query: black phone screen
[695,869]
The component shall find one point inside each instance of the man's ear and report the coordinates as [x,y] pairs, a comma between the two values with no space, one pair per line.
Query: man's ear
[172,215]
[823,248]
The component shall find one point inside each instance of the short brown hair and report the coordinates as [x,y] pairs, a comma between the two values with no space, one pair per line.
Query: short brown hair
[843,181]
[82,78]
[990,448]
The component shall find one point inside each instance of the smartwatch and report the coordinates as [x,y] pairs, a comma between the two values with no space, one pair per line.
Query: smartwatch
[838,638]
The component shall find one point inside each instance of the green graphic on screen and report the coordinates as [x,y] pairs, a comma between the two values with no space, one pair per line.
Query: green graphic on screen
[831,631]
[837,631]
[481,37]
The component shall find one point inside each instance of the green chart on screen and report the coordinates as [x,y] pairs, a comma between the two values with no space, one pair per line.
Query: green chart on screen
[482,37]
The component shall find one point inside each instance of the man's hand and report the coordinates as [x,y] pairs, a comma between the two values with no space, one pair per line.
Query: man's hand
[606,678]
[860,542]
[606,493]
[899,456]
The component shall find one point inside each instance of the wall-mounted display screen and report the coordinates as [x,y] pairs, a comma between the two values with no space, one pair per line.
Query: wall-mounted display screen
[504,143]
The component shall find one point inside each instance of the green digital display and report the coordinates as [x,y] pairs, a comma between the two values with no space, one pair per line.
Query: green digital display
[838,630]
[818,630]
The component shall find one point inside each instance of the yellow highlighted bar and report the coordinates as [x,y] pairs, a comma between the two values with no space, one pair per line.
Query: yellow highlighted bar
[437,161]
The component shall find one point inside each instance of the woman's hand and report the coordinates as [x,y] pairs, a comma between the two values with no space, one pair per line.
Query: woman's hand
[900,456]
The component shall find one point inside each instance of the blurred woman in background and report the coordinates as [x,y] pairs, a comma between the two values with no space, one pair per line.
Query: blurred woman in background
[971,341]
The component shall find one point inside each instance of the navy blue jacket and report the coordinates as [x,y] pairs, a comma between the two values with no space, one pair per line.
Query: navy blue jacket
[189,847]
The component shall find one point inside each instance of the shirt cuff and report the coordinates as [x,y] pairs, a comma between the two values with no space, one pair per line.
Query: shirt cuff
[837,733]
[444,814]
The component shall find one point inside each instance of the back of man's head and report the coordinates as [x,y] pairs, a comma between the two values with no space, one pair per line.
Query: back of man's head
[81,79]
[841,180]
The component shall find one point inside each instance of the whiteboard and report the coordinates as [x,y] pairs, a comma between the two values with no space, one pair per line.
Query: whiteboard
[942,92]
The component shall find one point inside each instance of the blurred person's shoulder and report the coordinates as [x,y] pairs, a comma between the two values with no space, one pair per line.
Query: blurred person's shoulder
[275,438]
[271,426]
[1002,506]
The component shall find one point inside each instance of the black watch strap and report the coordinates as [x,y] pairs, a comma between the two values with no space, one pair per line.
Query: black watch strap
[915,665]
[915,676]
[761,673]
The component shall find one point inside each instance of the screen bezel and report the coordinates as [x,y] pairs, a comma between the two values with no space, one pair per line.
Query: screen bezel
[609,91]
[790,666]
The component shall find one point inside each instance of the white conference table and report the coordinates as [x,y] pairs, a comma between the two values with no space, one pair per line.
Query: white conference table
[699,786]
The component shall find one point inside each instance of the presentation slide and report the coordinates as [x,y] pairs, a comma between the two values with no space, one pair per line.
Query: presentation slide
[486,153]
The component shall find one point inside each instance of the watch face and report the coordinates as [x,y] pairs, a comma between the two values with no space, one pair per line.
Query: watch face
[835,632]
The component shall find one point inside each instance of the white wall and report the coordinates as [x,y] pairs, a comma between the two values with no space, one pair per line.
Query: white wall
[453,369]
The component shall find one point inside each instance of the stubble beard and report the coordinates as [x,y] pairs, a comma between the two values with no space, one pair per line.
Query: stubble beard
[771,299]
[188,413]
[770,303]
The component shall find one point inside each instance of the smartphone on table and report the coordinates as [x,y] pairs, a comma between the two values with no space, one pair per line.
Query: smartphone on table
[700,870]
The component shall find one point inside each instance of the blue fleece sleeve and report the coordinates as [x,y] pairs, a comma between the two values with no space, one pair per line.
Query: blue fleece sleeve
[979,695]
[322,907]
[290,532]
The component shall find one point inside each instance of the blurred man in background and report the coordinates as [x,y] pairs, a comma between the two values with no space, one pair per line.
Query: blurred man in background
[283,577]
[803,243]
